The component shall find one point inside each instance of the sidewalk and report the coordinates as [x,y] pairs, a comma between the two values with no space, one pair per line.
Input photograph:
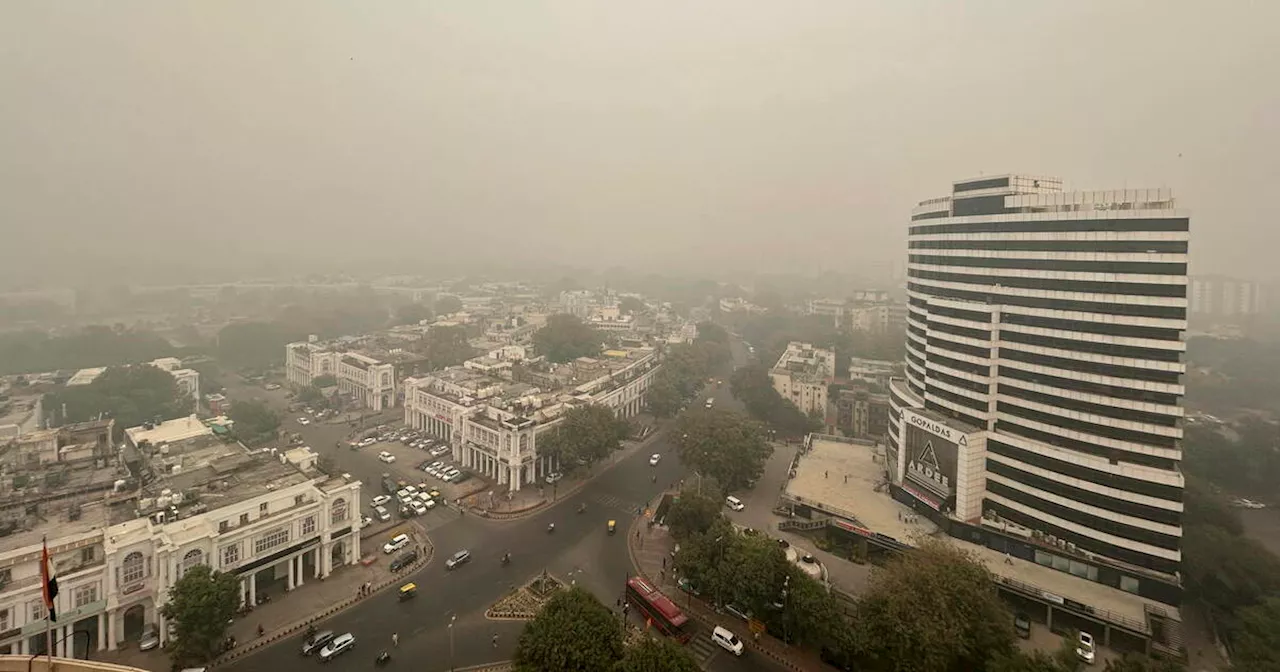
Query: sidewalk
[650,549]
[287,614]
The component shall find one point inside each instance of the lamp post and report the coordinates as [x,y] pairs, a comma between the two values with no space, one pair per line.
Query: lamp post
[451,620]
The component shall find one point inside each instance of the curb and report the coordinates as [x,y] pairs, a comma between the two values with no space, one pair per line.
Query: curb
[501,666]
[276,635]
[696,614]
[528,511]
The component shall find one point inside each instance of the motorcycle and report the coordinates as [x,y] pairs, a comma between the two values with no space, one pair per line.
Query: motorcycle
[582,508]
[506,559]
[551,527]
[382,659]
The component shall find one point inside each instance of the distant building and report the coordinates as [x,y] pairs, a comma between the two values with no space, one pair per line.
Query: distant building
[1224,297]
[875,371]
[802,374]
[862,414]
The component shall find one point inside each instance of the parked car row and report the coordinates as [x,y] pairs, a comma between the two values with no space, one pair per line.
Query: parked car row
[444,471]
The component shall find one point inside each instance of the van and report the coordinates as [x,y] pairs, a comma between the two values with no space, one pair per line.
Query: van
[397,542]
[734,503]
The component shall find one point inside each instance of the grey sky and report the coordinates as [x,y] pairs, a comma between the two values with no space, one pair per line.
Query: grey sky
[756,135]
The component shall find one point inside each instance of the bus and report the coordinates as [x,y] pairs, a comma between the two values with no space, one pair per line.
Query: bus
[658,609]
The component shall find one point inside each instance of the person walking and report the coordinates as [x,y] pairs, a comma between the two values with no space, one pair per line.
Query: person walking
[495,640]
[395,639]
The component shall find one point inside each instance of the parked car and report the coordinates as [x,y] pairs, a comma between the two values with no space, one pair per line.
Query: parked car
[404,560]
[150,638]
[381,513]
[397,542]
[386,457]
[1022,625]
[727,640]
[654,459]
[1085,648]
[554,476]
[380,500]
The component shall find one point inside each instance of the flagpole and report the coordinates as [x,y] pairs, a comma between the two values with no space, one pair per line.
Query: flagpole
[48,615]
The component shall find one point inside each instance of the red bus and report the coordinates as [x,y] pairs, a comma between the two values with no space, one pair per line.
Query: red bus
[657,608]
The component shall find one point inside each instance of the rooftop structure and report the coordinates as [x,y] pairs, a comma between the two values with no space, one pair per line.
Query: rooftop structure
[802,374]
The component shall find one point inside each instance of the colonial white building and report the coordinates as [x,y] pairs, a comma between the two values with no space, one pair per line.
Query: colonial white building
[371,382]
[493,422]
[268,517]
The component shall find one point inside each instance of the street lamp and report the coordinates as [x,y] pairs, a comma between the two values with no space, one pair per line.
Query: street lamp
[451,620]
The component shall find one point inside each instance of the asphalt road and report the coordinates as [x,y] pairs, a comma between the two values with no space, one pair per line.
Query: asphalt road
[445,624]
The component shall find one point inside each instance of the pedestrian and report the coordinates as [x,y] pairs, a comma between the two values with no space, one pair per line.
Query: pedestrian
[664,563]
[495,640]
[826,474]
[846,479]
[395,639]
[899,516]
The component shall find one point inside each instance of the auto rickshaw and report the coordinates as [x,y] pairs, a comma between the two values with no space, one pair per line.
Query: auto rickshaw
[613,526]
[407,591]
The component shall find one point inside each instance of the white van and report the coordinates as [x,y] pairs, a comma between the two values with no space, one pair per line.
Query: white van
[734,503]
[397,542]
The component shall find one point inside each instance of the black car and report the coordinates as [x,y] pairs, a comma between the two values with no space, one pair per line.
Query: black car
[404,560]
[316,642]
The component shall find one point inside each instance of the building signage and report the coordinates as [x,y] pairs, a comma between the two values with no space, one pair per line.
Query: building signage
[850,527]
[929,501]
[937,429]
[132,588]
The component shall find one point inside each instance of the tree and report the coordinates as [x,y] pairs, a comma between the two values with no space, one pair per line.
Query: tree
[657,655]
[447,346]
[574,632]
[130,394]
[711,332]
[411,313]
[565,338]
[1257,638]
[447,304]
[200,605]
[310,395]
[254,420]
[631,305]
[1136,663]
[585,435]
[97,345]
[753,386]
[254,345]
[692,515]
[1225,571]
[934,608]
[663,396]
[323,381]
[730,448]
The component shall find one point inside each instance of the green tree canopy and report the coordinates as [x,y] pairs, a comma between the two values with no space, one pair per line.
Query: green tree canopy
[565,338]
[1257,637]
[254,420]
[656,654]
[663,396]
[574,632]
[729,447]
[323,381]
[130,394]
[585,435]
[1227,572]
[411,313]
[310,395]
[97,345]
[200,605]
[931,609]
[447,346]
[255,345]
[447,304]
[692,514]
[631,305]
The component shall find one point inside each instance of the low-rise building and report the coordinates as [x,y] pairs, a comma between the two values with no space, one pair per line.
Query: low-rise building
[493,408]
[802,374]
[874,371]
[122,526]
[369,381]
[861,414]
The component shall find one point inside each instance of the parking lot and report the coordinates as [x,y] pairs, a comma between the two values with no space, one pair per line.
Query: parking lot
[421,467]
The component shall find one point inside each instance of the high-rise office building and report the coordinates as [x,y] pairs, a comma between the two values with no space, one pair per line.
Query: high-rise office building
[1044,366]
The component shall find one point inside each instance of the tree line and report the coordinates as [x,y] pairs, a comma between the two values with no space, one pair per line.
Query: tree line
[98,345]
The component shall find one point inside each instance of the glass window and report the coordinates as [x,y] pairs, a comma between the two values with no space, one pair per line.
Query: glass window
[1128,584]
[192,558]
[271,540]
[132,569]
[230,555]
[309,525]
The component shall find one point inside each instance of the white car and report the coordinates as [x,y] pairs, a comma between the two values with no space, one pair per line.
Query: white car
[304,421]
[386,457]
[397,542]
[418,507]
[727,640]
[340,644]
[1085,649]
[654,459]
[366,521]
[381,514]
[439,450]
[448,476]
[380,500]
[554,476]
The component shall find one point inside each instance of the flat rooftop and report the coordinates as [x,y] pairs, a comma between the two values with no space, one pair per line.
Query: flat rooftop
[847,480]
[169,431]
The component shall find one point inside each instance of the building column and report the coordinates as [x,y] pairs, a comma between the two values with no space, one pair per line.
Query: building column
[319,567]
[253,588]
[301,572]
[288,582]
[110,615]
[102,630]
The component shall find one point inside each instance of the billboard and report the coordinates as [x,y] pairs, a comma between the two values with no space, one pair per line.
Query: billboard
[932,451]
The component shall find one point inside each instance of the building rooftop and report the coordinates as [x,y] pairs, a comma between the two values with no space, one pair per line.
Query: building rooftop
[168,431]
[204,473]
[805,362]
[85,376]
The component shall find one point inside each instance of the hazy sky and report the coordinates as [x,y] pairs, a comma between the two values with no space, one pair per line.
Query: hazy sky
[744,134]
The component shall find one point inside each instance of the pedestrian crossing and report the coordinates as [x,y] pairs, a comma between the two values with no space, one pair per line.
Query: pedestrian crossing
[610,502]
[702,648]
